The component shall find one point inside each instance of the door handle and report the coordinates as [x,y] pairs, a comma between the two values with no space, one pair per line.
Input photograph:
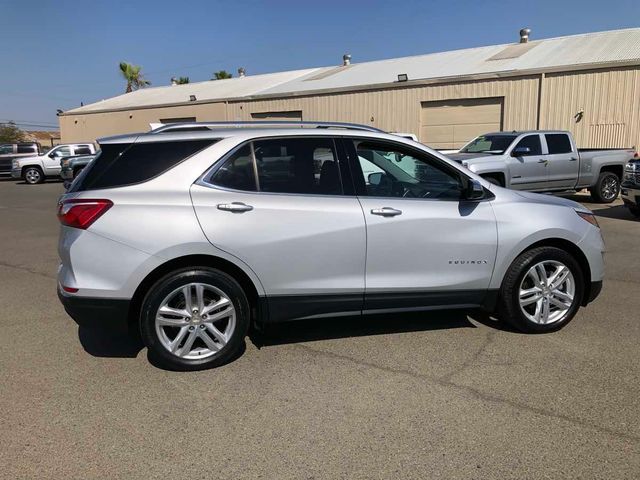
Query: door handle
[542,160]
[236,207]
[386,212]
[573,159]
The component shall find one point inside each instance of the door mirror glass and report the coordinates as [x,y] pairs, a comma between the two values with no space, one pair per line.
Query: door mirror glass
[375,178]
[474,191]
[521,151]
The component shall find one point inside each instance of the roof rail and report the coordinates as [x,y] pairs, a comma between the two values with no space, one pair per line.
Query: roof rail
[199,126]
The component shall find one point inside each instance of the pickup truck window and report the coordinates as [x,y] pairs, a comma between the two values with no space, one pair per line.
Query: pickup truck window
[27,149]
[6,149]
[532,142]
[558,143]
[82,150]
[492,144]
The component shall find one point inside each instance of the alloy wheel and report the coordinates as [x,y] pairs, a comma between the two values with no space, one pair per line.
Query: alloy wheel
[609,188]
[195,321]
[32,175]
[547,292]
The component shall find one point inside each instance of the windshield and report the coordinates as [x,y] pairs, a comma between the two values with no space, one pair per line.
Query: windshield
[493,144]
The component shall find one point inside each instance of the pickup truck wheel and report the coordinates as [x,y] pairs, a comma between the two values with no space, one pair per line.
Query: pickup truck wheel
[194,318]
[33,175]
[607,188]
[541,291]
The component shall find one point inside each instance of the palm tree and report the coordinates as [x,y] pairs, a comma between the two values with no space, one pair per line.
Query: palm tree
[133,75]
[221,75]
[182,80]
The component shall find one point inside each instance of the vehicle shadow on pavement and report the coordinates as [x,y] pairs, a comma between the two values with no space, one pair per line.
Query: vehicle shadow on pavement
[619,212]
[107,343]
[357,326]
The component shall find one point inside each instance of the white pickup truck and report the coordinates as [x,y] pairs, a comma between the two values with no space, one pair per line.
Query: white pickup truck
[545,161]
[35,169]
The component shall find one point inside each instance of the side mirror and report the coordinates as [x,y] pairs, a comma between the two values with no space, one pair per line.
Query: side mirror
[474,191]
[375,178]
[520,151]
[51,155]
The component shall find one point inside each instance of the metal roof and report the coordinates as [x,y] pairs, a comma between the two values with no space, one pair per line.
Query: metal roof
[590,50]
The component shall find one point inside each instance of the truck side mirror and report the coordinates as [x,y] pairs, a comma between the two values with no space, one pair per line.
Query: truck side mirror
[520,151]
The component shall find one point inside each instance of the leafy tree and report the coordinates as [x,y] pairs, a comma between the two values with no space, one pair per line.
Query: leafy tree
[182,80]
[221,75]
[10,133]
[133,75]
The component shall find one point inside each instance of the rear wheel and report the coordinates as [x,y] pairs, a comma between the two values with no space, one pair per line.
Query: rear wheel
[33,175]
[607,188]
[541,291]
[194,318]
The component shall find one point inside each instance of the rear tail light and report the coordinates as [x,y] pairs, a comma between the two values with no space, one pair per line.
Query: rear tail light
[81,213]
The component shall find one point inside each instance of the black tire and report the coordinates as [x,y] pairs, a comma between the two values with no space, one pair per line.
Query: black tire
[495,180]
[33,175]
[168,284]
[509,309]
[607,188]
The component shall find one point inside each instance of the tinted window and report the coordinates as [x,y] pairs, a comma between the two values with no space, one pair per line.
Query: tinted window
[298,165]
[558,143]
[5,149]
[124,164]
[391,171]
[83,150]
[532,142]
[237,172]
[27,149]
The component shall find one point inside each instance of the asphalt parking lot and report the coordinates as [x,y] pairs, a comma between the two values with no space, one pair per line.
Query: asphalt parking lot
[431,395]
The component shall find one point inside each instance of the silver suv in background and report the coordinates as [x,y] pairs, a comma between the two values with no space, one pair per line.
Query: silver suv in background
[189,233]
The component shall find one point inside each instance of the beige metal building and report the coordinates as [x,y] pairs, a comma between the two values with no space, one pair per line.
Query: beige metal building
[588,84]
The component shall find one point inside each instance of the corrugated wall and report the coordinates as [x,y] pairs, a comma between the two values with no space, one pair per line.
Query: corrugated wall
[398,109]
[609,100]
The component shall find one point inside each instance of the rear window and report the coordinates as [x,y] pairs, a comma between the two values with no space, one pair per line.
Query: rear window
[123,164]
[27,149]
[558,143]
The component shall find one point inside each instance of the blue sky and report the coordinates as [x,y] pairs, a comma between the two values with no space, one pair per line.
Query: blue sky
[57,54]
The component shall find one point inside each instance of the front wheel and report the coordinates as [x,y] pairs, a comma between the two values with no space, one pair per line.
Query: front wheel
[607,188]
[33,175]
[194,318]
[541,291]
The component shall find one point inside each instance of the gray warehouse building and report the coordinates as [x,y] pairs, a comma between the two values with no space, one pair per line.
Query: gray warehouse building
[588,84]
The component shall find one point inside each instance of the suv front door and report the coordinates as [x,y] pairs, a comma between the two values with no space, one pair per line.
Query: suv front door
[426,246]
[527,164]
[279,205]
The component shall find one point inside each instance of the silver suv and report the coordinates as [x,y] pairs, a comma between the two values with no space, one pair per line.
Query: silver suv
[193,232]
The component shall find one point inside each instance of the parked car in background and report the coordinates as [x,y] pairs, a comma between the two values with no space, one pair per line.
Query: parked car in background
[631,187]
[9,151]
[70,167]
[203,230]
[34,169]
[545,161]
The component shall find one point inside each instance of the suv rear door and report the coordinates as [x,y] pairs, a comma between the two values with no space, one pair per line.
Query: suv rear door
[562,161]
[286,207]
[425,245]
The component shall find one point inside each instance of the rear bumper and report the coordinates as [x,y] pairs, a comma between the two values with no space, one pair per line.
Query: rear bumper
[104,313]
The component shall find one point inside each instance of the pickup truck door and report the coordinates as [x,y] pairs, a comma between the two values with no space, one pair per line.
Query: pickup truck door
[527,164]
[562,161]
[51,160]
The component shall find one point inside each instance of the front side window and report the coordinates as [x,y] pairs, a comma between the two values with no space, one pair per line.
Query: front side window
[532,142]
[6,149]
[494,144]
[390,171]
[558,143]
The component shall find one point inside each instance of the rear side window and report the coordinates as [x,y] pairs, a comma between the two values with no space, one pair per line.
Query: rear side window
[26,149]
[123,164]
[558,143]
[82,150]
